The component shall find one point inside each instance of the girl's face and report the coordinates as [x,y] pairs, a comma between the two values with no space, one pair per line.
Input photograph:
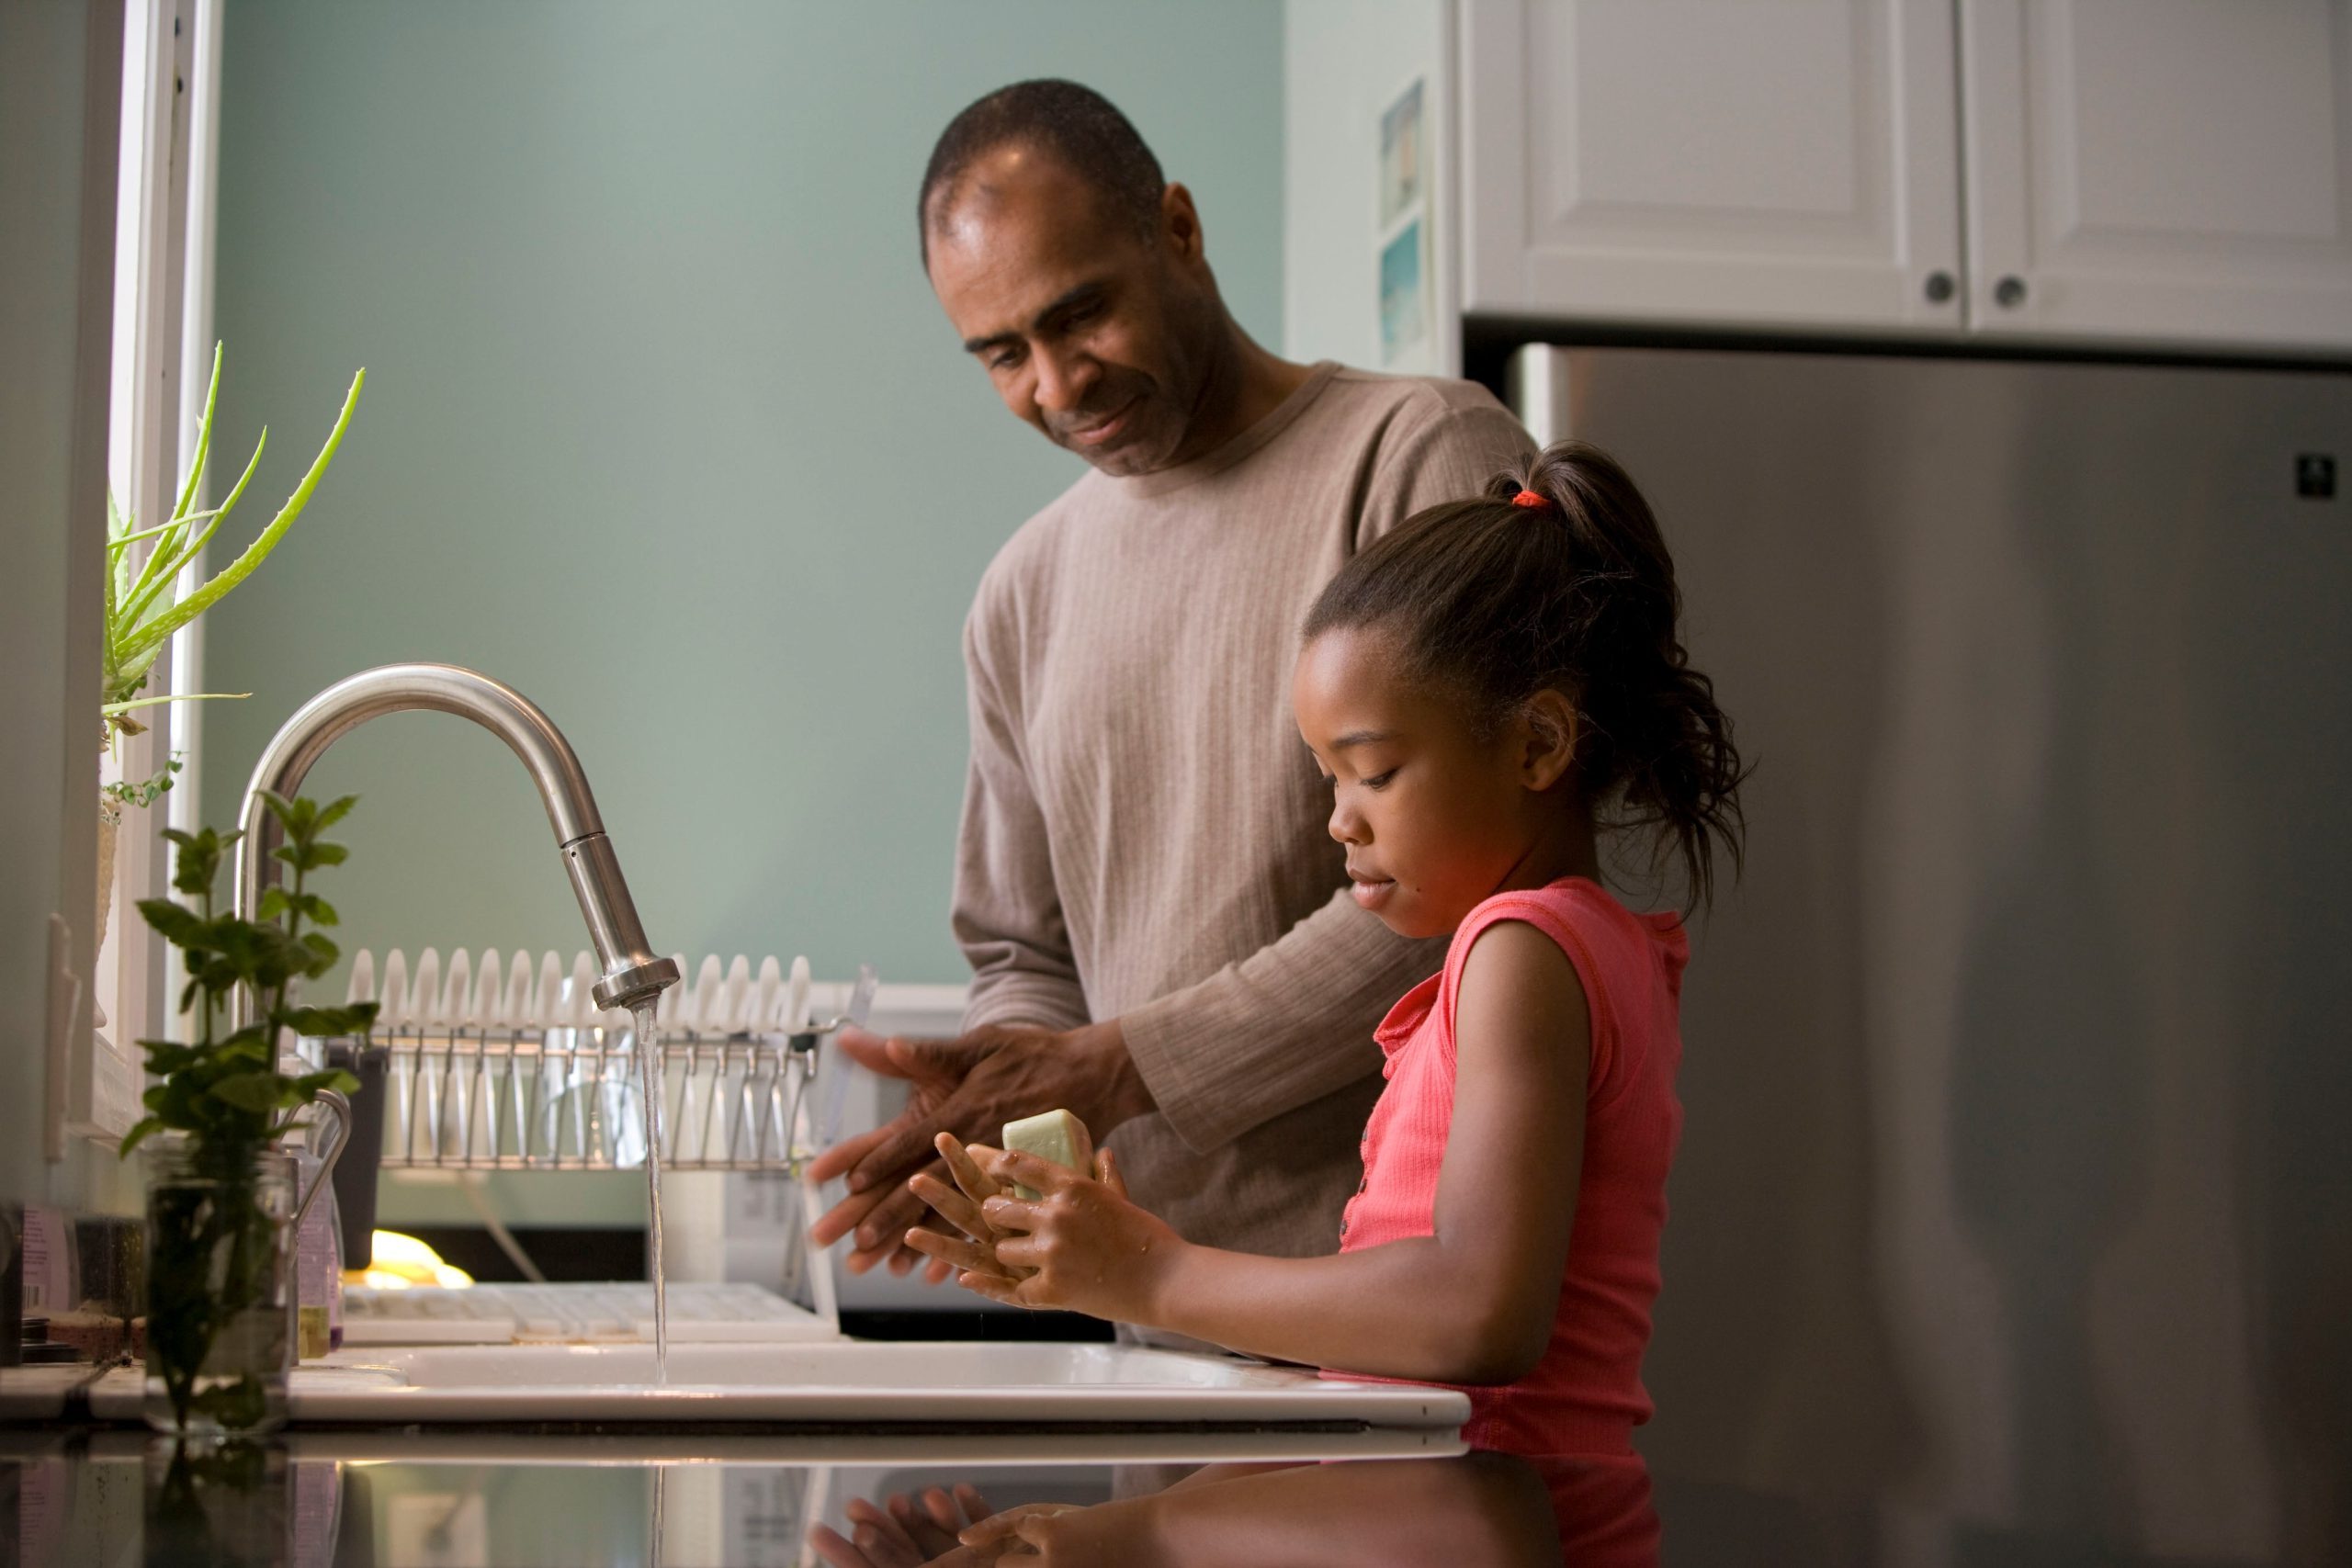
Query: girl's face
[1434,819]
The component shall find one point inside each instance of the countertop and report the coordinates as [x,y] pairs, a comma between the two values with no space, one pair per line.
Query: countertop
[112,1498]
[96,1498]
[76,1491]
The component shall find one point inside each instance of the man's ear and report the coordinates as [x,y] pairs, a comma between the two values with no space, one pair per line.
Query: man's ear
[1180,225]
[1549,729]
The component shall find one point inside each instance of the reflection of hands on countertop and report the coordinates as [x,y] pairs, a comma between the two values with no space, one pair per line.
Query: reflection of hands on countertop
[1478,1511]
[904,1531]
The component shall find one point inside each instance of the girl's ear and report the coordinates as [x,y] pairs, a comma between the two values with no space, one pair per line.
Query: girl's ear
[1548,730]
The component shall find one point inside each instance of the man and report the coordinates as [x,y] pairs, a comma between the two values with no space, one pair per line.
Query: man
[1160,930]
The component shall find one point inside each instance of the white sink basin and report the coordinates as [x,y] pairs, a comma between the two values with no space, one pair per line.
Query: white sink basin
[843,1383]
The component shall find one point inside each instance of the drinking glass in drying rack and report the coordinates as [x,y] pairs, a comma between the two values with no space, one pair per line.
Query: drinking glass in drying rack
[492,1068]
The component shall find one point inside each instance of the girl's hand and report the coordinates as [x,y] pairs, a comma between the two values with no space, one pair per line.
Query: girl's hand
[1082,1244]
[905,1532]
[1043,1533]
[960,1206]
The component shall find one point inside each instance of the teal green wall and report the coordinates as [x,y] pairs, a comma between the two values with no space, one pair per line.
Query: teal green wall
[662,426]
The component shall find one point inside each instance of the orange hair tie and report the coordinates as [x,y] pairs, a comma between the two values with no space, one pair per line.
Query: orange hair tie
[1531,498]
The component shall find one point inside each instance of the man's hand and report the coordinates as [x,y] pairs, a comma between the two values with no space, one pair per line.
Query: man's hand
[970,1087]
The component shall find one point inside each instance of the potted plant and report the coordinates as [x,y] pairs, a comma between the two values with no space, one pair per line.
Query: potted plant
[144,607]
[220,1199]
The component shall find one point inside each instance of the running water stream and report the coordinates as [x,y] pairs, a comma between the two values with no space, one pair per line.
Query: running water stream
[648,1072]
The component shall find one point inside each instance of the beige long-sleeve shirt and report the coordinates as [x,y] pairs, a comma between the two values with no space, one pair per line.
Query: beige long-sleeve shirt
[1144,832]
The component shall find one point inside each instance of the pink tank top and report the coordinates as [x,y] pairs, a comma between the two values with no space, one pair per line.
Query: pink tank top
[1586,1395]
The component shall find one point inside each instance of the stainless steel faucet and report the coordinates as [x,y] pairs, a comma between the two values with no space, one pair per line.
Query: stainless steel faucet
[631,972]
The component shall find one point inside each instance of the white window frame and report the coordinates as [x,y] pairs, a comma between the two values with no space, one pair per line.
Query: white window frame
[163,326]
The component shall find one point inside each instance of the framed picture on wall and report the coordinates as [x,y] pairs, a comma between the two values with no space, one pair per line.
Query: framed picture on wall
[1400,155]
[1404,324]
[1401,235]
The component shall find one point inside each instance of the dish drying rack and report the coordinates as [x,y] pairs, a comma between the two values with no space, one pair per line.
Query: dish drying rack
[491,1066]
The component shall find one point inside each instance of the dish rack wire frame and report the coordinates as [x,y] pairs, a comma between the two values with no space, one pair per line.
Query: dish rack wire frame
[567,1098]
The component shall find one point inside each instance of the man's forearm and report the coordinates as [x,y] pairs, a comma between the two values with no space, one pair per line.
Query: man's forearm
[1289,1024]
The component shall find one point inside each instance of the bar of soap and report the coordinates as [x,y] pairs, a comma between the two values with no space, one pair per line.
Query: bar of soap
[1057,1136]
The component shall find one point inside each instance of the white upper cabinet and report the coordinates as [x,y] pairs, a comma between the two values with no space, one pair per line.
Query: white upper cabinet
[2160,171]
[2130,173]
[1778,163]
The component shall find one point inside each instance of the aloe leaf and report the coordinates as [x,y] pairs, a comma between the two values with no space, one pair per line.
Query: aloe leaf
[212,524]
[203,439]
[152,578]
[170,553]
[118,625]
[110,709]
[126,675]
[152,584]
[123,541]
[119,526]
[165,560]
[116,567]
[151,567]
[155,632]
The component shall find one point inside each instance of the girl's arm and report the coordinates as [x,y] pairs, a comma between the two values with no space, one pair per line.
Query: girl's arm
[1472,1304]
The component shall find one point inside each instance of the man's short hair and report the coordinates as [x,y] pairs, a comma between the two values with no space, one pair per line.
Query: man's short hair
[1075,124]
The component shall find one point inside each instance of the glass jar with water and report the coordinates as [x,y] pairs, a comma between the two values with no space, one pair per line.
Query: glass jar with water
[220,1238]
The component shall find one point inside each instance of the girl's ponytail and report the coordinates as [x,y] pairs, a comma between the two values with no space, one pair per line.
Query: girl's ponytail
[1557,578]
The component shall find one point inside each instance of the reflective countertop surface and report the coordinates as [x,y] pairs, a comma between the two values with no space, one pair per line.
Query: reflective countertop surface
[100,1497]
[94,1497]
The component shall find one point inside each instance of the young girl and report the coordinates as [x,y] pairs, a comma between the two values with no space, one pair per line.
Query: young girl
[1487,688]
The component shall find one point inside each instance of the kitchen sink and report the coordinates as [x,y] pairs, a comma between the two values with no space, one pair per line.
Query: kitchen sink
[843,1382]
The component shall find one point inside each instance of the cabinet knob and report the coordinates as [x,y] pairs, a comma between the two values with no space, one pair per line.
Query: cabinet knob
[1939,286]
[2010,293]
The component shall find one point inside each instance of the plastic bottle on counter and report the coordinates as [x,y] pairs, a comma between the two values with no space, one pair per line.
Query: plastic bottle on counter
[318,1265]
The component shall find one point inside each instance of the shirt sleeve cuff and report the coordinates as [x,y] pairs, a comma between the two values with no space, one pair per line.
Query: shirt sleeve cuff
[1025,1000]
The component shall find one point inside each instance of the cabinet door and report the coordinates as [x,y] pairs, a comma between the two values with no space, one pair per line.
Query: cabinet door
[1791,165]
[2160,171]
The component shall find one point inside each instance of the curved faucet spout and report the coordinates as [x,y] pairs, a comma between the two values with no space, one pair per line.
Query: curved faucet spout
[629,970]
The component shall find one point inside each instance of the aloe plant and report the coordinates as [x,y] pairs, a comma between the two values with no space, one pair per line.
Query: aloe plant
[143,608]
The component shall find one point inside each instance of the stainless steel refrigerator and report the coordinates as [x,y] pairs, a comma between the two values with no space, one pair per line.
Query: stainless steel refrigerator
[2014,1206]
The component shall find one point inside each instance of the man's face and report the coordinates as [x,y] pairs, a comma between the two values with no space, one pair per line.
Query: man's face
[1099,336]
